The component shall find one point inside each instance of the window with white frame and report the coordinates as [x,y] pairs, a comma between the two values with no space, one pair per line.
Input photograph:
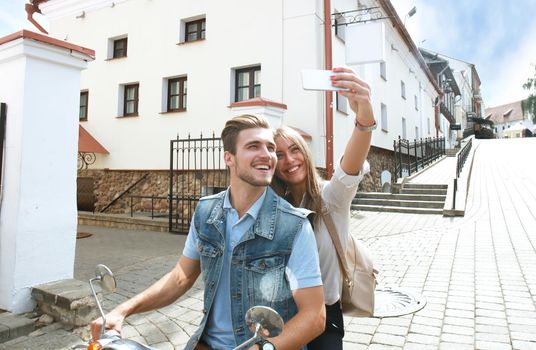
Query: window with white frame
[247,83]
[383,70]
[117,47]
[417,134]
[404,129]
[342,103]
[192,29]
[384,117]
[84,96]
[428,124]
[402,89]
[416,103]
[128,100]
[176,88]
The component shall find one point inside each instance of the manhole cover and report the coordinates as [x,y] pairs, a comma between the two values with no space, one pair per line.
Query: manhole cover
[395,301]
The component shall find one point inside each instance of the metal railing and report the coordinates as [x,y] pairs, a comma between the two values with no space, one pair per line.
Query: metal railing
[140,199]
[460,161]
[128,189]
[413,156]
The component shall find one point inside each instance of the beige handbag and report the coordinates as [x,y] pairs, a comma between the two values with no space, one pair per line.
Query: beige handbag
[359,275]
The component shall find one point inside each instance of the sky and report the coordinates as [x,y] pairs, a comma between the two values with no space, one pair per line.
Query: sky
[497,36]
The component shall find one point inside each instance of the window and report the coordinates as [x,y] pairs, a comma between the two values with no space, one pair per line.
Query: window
[247,83]
[384,117]
[404,132]
[195,30]
[416,103]
[120,48]
[428,122]
[82,115]
[177,91]
[403,89]
[383,70]
[417,135]
[130,101]
[342,103]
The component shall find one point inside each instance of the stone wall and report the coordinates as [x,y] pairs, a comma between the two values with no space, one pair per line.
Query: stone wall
[108,184]
[380,159]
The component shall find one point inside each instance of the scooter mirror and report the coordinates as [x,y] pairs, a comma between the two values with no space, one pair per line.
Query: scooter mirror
[270,321]
[106,278]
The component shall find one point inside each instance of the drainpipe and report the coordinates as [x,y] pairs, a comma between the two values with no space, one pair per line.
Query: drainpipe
[328,94]
[32,8]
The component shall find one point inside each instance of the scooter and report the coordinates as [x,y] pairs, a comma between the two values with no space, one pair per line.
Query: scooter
[261,320]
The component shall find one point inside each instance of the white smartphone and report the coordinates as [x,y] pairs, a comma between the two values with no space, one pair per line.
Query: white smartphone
[317,79]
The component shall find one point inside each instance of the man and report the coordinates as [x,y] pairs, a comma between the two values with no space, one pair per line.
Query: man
[251,248]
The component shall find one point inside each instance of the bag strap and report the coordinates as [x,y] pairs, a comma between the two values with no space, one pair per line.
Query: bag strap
[337,243]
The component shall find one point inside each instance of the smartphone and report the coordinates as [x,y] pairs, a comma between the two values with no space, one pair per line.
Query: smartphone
[317,79]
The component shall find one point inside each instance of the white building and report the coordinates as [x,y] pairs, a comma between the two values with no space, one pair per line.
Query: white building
[168,67]
[509,120]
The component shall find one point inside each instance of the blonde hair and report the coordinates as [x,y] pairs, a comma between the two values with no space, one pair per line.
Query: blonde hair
[234,125]
[312,198]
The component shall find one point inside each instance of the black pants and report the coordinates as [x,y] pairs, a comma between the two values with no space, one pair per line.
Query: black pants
[332,337]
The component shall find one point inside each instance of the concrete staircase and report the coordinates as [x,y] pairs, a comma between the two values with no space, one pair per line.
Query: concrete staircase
[413,198]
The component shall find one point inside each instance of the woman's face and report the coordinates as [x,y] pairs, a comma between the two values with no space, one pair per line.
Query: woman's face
[291,165]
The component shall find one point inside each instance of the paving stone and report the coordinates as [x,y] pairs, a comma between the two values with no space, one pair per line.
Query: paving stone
[451,346]
[354,346]
[486,345]
[423,339]
[492,337]
[388,339]
[491,321]
[457,338]
[491,329]
[427,330]
[416,346]
[358,338]
[523,345]
[458,329]
[394,330]
[427,321]
[524,336]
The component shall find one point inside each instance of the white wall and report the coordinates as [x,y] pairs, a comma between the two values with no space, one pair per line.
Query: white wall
[38,209]
[285,39]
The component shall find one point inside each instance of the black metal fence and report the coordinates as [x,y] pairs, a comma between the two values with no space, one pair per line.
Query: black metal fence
[196,169]
[3,116]
[411,157]
[460,161]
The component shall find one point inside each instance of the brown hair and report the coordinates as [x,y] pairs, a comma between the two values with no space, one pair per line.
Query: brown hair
[312,199]
[235,125]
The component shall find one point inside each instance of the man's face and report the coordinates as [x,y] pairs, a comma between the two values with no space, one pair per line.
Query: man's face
[255,159]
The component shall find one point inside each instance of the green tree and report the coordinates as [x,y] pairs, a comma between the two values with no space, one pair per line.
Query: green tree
[529,105]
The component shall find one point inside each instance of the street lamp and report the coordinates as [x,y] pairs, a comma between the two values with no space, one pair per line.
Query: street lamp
[410,13]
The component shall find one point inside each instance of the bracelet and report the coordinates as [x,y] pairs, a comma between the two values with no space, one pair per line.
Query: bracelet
[364,128]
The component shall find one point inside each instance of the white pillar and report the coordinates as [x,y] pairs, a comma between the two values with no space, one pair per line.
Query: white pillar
[41,87]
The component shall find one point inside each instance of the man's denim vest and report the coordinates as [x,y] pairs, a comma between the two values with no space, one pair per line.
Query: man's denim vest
[258,260]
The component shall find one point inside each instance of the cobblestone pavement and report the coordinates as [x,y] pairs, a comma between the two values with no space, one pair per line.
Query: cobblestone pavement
[478,273]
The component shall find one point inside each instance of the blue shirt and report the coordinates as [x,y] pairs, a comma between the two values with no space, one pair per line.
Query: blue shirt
[302,270]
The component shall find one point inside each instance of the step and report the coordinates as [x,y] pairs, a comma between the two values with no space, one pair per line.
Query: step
[401,203]
[423,191]
[410,185]
[416,197]
[14,326]
[397,209]
[123,221]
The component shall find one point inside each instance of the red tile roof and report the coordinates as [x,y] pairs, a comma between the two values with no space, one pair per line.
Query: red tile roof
[26,34]
[505,113]
[88,144]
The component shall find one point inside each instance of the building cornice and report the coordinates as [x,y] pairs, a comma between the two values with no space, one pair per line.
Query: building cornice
[55,9]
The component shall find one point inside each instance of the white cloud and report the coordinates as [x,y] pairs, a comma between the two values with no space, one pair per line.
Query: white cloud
[512,72]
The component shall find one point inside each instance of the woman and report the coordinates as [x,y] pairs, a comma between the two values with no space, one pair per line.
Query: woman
[297,181]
